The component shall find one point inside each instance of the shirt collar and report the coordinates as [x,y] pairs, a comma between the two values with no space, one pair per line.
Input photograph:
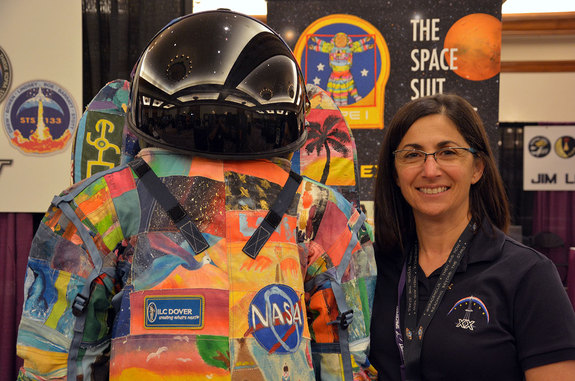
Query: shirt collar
[486,246]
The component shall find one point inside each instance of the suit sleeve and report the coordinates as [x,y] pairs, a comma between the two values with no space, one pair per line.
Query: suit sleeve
[340,277]
[61,265]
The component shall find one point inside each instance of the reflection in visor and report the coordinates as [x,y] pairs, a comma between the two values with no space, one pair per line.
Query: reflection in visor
[233,91]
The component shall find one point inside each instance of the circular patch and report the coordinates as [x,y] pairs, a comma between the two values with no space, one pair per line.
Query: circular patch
[276,319]
[539,146]
[5,74]
[565,147]
[39,117]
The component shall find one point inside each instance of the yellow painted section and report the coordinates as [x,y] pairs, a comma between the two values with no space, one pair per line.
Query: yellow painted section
[61,304]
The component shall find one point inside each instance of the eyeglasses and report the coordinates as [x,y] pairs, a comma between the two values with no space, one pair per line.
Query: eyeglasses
[416,157]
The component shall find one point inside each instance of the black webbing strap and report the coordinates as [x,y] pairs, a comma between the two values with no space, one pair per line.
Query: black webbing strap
[274,216]
[171,206]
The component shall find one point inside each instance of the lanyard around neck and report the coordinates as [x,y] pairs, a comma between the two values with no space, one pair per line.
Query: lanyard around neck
[410,347]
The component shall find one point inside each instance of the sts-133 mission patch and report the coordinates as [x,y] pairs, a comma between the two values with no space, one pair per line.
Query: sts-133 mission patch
[39,117]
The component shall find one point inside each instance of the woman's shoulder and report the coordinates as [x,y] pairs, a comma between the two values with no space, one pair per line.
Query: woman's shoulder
[523,256]
[492,243]
[517,255]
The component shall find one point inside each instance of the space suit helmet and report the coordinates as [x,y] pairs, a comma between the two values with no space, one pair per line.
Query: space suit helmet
[219,84]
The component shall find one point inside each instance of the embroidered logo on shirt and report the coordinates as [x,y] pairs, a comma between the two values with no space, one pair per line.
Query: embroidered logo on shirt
[276,319]
[470,309]
[174,312]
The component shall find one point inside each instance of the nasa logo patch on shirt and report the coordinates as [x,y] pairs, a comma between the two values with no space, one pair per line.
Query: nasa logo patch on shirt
[276,318]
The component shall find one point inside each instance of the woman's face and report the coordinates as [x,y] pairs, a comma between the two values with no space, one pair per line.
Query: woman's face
[437,191]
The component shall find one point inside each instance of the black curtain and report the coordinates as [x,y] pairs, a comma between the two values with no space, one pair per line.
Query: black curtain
[114,33]
[511,169]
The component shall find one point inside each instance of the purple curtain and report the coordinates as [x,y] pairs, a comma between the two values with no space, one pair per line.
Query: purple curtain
[16,233]
[555,212]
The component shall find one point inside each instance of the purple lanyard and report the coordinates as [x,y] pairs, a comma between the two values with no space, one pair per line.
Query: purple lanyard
[398,335]
[410,350]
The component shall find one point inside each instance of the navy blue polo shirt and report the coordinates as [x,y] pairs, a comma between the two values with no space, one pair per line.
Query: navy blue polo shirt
[504,312]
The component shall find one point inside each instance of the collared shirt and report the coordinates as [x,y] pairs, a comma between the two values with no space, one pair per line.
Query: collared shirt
[504,312]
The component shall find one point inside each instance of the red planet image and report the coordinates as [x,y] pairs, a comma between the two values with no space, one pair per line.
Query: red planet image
[477,38]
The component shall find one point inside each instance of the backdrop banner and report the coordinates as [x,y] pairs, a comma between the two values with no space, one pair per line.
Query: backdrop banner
[373,56]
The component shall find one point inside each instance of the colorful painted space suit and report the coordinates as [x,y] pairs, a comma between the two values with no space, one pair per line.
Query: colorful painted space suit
[159,312]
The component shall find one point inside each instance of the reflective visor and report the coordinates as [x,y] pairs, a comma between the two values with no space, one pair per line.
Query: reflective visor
[219,84]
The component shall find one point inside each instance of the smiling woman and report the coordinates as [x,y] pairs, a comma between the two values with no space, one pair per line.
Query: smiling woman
[437,190]
[449,278]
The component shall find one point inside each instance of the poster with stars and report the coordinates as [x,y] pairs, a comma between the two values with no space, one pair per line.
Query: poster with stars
[373,56]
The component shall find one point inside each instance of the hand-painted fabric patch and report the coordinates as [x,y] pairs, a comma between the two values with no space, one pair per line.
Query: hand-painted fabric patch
[276,319]
[174,312]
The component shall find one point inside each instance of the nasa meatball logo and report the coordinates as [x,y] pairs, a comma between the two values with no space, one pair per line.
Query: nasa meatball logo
[40,117]
[276,319]
[539,146]
[5,74]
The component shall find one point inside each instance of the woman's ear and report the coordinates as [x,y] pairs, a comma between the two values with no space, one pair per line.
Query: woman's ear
[478,167]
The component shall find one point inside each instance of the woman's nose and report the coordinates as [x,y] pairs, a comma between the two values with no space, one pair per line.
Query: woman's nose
[430,166]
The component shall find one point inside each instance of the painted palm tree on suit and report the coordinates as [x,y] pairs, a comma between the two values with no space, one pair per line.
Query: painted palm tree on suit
[326,137]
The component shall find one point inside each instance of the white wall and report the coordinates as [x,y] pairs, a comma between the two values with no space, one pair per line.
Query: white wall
[43,42]
[537,97]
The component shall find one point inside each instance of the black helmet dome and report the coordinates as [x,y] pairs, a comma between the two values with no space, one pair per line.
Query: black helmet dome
[219,84]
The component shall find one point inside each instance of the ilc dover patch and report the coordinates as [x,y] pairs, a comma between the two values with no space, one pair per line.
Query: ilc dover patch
[172,312]
[39,117]
[5,74]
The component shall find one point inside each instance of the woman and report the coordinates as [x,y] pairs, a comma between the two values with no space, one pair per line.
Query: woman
[474,304]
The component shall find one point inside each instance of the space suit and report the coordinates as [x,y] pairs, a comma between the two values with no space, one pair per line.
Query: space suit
[204,257]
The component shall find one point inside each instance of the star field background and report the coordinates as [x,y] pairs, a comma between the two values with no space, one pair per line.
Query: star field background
[392,18]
